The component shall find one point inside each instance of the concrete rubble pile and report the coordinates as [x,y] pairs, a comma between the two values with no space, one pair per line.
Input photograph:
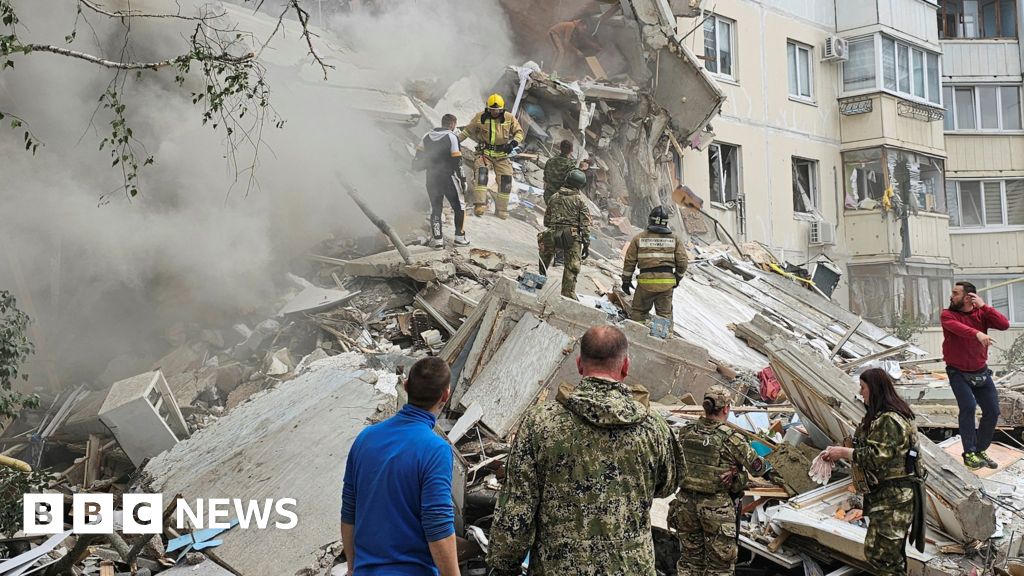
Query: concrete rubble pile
[266,405]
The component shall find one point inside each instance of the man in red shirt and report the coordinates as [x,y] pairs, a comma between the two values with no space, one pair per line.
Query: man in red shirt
[965,350]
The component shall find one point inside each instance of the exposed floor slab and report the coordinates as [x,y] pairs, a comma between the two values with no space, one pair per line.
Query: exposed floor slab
[290,442]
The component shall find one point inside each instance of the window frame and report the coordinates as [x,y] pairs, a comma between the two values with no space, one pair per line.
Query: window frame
[943,13]
[717,19]
[812,182]
[986,280]
[737,177]
[906,92]
[1004,215]
[797,47]
[1000,120]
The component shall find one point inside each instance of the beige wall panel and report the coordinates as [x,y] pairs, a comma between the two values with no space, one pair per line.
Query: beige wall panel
[985,60]
[985,156]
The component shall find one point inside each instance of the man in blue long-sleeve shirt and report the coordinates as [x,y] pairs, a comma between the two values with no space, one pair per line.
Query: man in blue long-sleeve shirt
[397,516]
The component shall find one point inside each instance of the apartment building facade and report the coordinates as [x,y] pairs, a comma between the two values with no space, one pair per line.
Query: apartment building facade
[841,141]
[984,134]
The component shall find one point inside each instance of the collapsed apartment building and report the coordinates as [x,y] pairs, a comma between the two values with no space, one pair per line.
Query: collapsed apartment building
[268,406]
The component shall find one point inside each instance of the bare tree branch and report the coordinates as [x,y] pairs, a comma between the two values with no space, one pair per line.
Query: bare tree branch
[304,21]
[225,58]
[137,14]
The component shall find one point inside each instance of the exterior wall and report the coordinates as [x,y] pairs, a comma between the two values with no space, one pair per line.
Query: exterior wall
[988,252]
[985,156]
[981,60]
[872,237]
[885,126]
[905,19]
[771,127]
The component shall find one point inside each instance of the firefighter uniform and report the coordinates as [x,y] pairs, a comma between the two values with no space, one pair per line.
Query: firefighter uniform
[704,513]
[661,257]
[496,137]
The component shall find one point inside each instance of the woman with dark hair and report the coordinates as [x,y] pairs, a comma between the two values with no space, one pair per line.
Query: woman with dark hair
[885,458]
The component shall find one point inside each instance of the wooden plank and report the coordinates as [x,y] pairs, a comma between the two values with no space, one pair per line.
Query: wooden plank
[779,540]
[489,314]
[93,458]
[842,341]
[596,68]
[876,356]
[515,374]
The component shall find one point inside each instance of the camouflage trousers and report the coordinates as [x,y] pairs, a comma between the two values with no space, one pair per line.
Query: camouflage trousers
[571,255]
[706,527]
[644,298]
[890,510]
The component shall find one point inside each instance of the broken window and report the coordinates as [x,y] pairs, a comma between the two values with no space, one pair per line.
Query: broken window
[800,78]
[723,166]
[988,203]
[864,178]
[859,69]
[977,18]
[805,185]
[917,180]
[718,45]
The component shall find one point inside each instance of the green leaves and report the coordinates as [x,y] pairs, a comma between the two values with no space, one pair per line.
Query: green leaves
[15,348]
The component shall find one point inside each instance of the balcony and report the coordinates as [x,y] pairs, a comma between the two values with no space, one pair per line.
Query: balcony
[907,18]
[886,119]
[874,236]
[982,60]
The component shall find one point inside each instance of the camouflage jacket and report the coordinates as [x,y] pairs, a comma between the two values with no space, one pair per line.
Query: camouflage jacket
[581,477]
[556,170]
[880,452]
[568,210]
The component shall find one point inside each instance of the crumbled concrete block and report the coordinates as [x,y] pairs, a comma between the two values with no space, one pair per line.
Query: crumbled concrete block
[439,271]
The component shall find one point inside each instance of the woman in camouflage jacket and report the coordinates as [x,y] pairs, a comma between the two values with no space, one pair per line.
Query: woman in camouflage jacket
[885,456]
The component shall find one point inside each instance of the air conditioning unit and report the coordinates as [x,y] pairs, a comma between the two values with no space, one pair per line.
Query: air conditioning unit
[822,232]
[836,49]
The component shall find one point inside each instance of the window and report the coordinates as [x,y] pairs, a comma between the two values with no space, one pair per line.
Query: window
[805,185]
[986,203]
[977,18]
[909,70]
[916,180]
[859,69]
[800,74]
[723,165]
[1009,300]
[982,107]
[718,49]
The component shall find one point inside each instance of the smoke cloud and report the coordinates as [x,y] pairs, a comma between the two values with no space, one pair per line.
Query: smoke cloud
[104,275]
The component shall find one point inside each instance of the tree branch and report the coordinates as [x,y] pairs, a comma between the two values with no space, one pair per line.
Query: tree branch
[136,14]
[225,58]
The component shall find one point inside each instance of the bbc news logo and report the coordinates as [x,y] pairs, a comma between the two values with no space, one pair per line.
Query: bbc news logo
[143,513]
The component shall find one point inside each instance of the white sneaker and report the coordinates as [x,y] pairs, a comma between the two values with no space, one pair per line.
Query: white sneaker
[437,243]
[461,240]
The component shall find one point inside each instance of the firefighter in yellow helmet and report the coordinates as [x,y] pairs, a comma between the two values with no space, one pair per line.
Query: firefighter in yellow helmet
[497,134]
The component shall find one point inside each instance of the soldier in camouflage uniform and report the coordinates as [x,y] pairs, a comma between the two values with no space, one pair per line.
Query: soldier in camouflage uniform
[713,463]
[568,229]
[662,260]
[886,464]
[556,169]
[582,473]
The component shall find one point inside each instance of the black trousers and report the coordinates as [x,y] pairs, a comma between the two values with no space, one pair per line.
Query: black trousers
[439,187]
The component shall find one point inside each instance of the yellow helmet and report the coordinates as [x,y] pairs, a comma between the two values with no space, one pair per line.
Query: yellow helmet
[495,101]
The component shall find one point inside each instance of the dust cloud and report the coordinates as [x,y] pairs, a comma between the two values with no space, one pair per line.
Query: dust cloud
[105,276]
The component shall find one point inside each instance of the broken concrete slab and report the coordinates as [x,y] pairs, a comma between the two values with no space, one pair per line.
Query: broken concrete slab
[390,264]
[184,358]
[486,259]
[429,272]
[314,299]
[515,374]
[291,442]
[143,416]
[826,396]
